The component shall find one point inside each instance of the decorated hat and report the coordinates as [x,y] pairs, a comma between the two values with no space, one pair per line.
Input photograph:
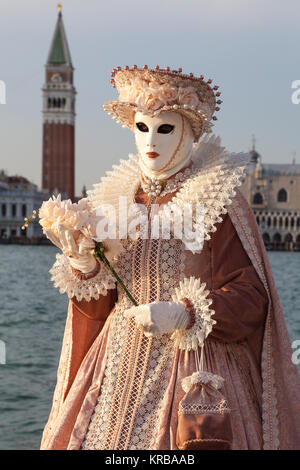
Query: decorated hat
[157,90]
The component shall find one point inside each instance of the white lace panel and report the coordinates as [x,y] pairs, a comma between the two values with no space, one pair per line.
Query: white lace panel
[138,368]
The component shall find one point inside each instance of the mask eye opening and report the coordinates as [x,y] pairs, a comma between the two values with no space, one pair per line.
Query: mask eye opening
[142,127]
[165,129]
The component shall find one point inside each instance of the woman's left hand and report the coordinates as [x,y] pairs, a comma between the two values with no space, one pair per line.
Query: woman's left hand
[158,318]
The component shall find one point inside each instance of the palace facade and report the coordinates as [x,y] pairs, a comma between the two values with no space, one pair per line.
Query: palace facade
[273,191]
[18,199]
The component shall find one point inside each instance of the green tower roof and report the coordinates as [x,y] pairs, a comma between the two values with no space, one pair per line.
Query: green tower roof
[59,50]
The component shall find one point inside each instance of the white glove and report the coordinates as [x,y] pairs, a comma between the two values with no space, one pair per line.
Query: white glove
[79,253]
[158,318]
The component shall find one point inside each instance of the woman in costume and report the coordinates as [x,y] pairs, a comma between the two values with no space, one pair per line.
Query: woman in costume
[122,368]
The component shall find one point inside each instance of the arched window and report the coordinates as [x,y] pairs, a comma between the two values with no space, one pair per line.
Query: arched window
[24,210]
[282,195]
[269,222]
[277,238]
[14,210]
[257,198]
[288,238]
[275,222]
[257,220]
[286,222]
[3,211]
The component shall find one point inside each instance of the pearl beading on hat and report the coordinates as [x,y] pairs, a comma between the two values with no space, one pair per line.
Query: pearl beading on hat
[173,72]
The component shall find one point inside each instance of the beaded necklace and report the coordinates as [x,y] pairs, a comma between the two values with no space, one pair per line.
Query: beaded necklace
[154,187]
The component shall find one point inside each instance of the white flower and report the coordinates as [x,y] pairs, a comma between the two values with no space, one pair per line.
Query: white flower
[78,218]
[55,212]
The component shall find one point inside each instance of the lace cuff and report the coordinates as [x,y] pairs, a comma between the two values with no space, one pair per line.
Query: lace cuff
[194,336]
[74,286]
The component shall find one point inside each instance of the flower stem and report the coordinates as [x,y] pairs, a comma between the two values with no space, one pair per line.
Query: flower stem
[99,253]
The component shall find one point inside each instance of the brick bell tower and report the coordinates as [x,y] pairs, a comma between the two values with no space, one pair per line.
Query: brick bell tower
[58,170]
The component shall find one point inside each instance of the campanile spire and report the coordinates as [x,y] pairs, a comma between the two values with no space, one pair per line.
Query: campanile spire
[59,93]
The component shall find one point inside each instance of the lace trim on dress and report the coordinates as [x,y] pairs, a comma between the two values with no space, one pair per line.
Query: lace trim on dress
[194,337]
[144,381]
[67,282]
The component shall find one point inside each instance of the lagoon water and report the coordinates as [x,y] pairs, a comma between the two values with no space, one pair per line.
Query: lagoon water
[32,316]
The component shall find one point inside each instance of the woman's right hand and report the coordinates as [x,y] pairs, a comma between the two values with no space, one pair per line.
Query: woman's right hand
[76,247]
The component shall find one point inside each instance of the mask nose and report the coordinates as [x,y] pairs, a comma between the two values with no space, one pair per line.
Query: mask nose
[151,140]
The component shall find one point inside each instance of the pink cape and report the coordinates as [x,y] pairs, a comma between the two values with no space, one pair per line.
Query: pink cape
[78,381]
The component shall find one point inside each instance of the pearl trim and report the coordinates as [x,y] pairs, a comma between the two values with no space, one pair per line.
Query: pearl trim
[154,187]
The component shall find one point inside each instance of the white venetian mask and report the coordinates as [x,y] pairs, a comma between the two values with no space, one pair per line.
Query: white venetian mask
[164,143]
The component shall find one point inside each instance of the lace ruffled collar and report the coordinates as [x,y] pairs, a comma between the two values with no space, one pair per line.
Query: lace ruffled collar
[212,184]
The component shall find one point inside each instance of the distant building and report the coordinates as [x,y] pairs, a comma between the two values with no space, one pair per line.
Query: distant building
[273,191]
[18,199]
[58,168]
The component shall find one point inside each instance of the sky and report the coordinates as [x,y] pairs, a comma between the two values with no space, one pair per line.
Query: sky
[249,48]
